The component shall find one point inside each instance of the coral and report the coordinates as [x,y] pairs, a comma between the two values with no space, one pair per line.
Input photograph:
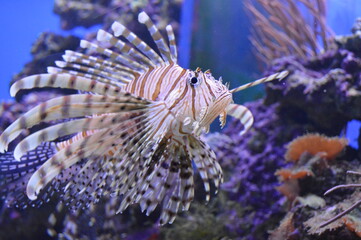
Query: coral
[323,91]
[281,28]
[290,189]
[353,224]
[309,153]
[314,144]
[306,195]
[312,201]
[287,174]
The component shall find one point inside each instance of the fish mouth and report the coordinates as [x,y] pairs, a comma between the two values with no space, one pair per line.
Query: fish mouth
[216,108]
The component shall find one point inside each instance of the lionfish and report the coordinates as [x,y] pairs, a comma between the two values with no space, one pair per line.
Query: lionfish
[133,130]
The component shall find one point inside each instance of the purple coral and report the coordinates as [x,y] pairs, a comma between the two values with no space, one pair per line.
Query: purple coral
[321,94]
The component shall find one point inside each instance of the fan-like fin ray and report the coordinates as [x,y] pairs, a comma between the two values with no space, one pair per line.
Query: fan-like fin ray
[126,61]
[120,30]
[104,36]
[205,159]
[172,44]
[156,35]
[64,80]
[70,106]
[70,127]
[71,56]
[56,70]
[104,76]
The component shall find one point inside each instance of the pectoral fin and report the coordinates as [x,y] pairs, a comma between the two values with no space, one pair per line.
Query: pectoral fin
[243,114]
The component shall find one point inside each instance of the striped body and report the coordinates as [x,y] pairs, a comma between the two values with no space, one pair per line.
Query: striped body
[136,128]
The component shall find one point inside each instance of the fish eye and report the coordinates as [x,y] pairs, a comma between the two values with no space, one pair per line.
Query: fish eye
[193,81]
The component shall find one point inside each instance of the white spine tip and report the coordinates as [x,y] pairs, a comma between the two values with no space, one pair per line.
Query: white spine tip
[60,64]
[84,44]
[118,29]
[52,70]
[102,35]
[283,74]
[69,52]
[143,17]
[31,194]
[34,186]
[17,155]
[68,58]
[169,28]
[13,90]
[3,147]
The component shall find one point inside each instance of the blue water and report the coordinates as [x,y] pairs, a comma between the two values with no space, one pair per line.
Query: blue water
[185,43]
[21,21]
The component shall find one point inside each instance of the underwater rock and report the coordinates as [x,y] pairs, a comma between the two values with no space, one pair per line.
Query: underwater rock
[87,13]
[324,92]
[331,80]
[322,81]
[47,48]
[352,42]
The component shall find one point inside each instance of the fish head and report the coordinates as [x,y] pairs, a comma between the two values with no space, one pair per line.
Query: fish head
[198,99]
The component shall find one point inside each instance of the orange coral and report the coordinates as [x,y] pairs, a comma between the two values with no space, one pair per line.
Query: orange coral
[315,144]
[290,189]
[286,174]
[352,225]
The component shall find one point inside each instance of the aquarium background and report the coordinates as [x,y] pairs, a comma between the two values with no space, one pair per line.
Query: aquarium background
[214,34]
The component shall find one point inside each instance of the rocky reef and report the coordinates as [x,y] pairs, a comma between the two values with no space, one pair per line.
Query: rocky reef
[320,95]
[86,13]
